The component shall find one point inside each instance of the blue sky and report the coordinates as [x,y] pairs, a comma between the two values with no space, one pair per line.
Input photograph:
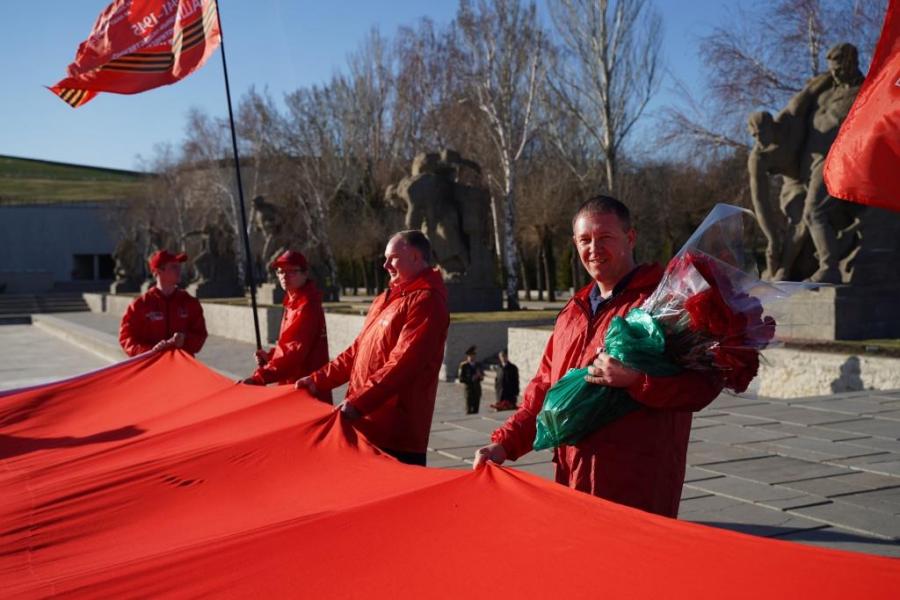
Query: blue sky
[279,44]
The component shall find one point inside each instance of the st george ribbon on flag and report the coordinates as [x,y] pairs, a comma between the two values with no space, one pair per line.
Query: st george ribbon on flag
[863,165]
[138,45]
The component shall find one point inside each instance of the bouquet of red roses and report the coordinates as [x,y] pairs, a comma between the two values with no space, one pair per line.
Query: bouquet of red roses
[707,313]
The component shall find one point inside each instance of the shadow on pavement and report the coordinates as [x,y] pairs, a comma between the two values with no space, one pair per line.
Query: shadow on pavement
[824,534]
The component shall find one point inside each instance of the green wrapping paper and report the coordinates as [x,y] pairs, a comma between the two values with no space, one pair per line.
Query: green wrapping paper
[574,408]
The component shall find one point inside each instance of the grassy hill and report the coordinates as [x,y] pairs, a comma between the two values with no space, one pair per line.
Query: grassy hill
[29,181]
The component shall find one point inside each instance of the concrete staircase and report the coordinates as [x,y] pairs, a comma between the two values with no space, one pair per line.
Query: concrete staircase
[17,308]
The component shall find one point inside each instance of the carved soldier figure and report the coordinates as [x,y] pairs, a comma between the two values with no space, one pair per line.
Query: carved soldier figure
[215,265]
[217,256]
[446,210]
[794,145]
[829,110]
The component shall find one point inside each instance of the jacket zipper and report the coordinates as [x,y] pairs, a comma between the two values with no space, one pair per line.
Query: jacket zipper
[168,308]
[592,320]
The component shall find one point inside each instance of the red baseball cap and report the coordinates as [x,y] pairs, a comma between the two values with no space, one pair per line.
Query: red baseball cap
[291,259]
[161,258]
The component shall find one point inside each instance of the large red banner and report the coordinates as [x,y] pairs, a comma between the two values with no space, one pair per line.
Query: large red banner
[863,165]
[137,45]
[160,478]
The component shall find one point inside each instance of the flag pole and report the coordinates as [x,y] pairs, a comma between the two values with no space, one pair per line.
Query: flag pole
[240,186]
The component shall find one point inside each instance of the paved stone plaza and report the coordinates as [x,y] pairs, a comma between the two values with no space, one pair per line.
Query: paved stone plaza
[820,470]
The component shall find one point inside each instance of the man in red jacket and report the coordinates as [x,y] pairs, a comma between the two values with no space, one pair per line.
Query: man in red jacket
[165,316]
[638,460]
[393,364]
[302,345]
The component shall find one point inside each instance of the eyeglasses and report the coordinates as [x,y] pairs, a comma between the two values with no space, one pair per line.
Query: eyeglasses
[287,271]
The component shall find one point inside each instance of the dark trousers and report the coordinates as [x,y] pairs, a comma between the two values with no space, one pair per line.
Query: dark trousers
[473,399]
[409,458]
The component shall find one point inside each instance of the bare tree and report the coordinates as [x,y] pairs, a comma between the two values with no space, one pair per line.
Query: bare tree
[372,130]
[346,143]
[546,205]
[213,185]
[427,86]
[608,69]
[260,140]
[165,203]
[314,137]
[569,140]
[504,50]
[762,55]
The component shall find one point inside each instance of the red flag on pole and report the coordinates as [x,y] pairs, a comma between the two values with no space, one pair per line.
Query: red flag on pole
[138,45]
[863,165]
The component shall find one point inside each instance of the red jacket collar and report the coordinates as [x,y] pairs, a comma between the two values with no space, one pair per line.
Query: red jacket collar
[308,291]
[646,277]
[155,291]
[429,279]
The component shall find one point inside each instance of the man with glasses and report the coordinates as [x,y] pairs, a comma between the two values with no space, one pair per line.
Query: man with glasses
[166,316]
[302,345]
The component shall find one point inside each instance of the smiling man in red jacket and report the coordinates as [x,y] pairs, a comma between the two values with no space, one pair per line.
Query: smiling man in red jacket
[638,460]
[165,316]
[393,364]
[302,345]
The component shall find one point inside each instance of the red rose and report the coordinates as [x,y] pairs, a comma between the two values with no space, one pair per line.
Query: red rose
[732,320]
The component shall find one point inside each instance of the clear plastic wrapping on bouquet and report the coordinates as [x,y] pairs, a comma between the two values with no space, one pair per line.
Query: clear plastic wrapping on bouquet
[716,312]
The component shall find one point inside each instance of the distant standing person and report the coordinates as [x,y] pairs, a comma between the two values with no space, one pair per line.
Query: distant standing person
[165,316]
[393,364]
[470,374]
[506,385]
[302,345]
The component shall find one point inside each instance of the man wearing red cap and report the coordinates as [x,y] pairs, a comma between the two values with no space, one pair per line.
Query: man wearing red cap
[393,364]
[302,345]
[165,316]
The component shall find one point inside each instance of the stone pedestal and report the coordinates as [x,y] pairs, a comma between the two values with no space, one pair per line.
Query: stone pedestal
[215,289]
[124,286]
[465,298]
[842,312]
[876,262]
[269,293]
[490,336]
[795,373]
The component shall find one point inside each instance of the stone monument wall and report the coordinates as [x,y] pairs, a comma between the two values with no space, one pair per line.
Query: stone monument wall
[444,197]
[784,373]
[789,373]
[840,313]
[235,321]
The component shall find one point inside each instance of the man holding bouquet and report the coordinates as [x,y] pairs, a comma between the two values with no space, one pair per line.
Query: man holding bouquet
[639,459]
